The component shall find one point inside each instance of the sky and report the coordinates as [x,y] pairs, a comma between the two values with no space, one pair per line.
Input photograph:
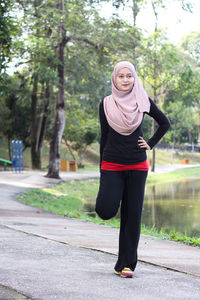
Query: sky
[176,21]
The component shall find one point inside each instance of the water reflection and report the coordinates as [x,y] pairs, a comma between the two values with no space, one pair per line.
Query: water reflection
[169,206]
[173,206]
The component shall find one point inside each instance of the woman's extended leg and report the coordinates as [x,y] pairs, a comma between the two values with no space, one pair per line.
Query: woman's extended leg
[131,211]
[110,193]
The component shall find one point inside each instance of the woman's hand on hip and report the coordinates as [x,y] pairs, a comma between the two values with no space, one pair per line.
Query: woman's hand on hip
[143,144]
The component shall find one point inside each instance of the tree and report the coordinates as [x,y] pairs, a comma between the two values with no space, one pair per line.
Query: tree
[35,49]
[59,123]
[81,129]
[155,64]
[181,131]
[158,70]
[79,25]
[8,28]
[184,96]
[15,109]
[53,30]
[69,52]
[135,35]
[191,45]
[160,64]
[155,5]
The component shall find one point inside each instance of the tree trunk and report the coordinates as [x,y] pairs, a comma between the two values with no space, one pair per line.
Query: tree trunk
[70,149]
[81,156]
[42,123]
[35,158]
[54,158]
[135,11]
[59,123]
[9,150]
[173,146]
[38,126]
[155,80]
[190,136]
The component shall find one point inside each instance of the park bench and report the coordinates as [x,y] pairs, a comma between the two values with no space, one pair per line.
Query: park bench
[5,163]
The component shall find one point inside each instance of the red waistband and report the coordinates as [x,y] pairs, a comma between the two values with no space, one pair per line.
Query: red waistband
[108,166]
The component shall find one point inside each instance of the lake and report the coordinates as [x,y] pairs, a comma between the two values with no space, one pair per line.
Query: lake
[169,206]
[174,206]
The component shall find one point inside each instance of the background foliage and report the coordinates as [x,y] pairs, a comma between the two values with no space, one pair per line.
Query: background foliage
[29,36]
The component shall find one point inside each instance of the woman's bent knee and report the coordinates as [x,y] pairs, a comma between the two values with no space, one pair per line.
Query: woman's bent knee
[105,214]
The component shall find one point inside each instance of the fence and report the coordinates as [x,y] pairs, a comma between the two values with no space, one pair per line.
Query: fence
[17,156]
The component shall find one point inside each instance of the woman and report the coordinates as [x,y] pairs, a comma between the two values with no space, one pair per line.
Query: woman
[123,161]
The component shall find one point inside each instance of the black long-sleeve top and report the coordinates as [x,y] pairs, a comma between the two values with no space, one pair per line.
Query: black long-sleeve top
[124,149]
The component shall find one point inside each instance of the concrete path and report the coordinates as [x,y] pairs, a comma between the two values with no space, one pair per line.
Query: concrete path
[44,256]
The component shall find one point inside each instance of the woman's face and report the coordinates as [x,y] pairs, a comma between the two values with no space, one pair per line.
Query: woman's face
[124,79]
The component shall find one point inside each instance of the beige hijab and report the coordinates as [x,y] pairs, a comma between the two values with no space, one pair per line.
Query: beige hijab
[124,109]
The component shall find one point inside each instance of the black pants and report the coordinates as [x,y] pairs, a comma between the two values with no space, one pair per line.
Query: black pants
[126,187]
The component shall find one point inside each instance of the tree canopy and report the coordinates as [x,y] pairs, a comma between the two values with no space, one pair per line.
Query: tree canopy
[65,53]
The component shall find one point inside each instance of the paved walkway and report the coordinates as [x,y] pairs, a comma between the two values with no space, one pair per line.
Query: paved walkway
[44,256]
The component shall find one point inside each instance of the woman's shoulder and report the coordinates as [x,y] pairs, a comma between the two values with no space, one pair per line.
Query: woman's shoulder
[103,99]
[101,104]
[151,101]
[153,105]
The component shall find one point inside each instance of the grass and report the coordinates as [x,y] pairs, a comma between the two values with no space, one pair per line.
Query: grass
[67,200]
[171,235]
[164,157]
[60,204]
[174,176]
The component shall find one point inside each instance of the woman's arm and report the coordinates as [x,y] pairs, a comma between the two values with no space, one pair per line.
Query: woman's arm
[162,121]
[104,129]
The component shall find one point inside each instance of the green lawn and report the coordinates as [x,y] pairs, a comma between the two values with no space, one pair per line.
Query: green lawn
[156,178]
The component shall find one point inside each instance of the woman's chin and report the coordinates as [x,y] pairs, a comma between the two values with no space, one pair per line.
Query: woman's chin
[125,89]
